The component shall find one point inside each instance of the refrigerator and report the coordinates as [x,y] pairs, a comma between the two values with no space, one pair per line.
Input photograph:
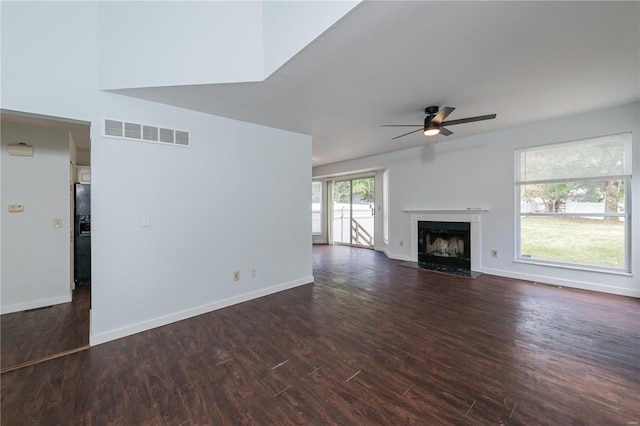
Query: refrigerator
[82,234]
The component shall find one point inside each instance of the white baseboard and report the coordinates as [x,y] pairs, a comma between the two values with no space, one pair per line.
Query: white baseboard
[34,304]
[396,256]
[621,291]
[107,336]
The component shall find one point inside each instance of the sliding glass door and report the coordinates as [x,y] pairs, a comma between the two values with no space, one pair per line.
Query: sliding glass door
[353,212]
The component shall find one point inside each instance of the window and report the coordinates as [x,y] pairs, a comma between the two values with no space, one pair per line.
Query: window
[572,203]
[316,208]
[385,206]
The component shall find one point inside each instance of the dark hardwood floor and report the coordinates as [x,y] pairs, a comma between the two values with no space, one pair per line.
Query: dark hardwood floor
[371,343]
[38,334]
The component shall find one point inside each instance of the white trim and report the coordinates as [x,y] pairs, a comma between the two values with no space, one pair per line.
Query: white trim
[34,304]
[622,291]
[396,256]
[470,215]
[474,210]
[107,336]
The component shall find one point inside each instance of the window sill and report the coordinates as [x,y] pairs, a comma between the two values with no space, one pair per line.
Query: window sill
[575,268]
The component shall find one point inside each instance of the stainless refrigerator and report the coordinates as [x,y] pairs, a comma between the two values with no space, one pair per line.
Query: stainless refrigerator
[82,234]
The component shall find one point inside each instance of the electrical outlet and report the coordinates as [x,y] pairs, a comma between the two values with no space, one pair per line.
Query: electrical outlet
[16,208]
[494,253]
[236,276]
[253,273]
[57,223]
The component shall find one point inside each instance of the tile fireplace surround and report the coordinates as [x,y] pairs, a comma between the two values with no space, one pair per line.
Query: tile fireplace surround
[471,216]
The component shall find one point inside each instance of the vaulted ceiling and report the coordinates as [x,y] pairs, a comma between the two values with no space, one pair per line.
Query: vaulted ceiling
[385,62]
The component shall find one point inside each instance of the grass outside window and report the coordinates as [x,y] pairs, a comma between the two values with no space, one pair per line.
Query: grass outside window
[573,240]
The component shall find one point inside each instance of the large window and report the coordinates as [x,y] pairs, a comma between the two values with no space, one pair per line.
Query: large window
[573,203]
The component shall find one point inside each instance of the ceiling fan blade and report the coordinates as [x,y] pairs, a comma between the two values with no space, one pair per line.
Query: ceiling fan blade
[442,115]
[401,125]
[468,120]
[445,132]
[413,131]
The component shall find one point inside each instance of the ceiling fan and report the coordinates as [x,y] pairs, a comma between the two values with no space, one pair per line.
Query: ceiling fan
[434,122]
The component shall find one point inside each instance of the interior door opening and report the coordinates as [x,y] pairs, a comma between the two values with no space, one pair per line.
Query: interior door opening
[353,212]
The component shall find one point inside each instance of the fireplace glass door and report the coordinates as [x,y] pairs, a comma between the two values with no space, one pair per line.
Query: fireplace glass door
[353,212]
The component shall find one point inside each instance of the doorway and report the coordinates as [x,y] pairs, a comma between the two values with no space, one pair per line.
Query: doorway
[353,212]
[38,320]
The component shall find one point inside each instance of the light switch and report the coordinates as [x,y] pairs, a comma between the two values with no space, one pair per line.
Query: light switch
[16,208]
[146,221]
[57,223]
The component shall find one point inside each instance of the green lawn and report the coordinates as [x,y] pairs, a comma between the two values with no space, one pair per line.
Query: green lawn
[574,240]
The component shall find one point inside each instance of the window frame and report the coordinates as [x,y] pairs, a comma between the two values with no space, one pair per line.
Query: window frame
[626,179]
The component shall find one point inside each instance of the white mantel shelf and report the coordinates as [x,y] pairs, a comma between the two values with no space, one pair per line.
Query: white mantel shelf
[465,211]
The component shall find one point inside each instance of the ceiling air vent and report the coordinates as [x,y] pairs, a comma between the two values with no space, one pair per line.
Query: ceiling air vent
[145,133]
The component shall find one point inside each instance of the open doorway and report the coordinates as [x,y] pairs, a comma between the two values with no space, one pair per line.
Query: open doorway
[353,212]
[44,313]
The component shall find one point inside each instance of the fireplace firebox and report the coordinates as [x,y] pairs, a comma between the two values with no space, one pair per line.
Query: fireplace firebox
[446,244]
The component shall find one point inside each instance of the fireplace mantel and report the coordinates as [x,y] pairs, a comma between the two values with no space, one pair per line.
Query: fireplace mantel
[466,215]
[465,211]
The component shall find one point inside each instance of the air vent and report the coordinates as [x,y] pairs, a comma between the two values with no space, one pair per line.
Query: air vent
[145,133]
[113,128]
[132,131]
[182,138]
[166,135]
[150,133]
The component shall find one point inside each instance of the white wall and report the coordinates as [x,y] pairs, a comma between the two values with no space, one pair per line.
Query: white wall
[479,172]
[35,255]
[168,43]
[204,221]
[197,198]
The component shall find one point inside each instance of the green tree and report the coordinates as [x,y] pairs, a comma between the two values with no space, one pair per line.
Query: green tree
[342,191]
[365,188]
[553,195]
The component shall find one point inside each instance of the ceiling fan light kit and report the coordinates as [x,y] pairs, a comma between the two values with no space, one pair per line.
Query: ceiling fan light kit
[434,122]
[431,130]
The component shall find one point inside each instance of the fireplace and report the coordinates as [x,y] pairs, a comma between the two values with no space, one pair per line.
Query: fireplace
[463,253]
[445,244]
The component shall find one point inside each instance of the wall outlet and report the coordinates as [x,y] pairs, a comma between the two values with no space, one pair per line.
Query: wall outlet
[253,273]
[16,208]
[57,223]
[494,253]
[236,276]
